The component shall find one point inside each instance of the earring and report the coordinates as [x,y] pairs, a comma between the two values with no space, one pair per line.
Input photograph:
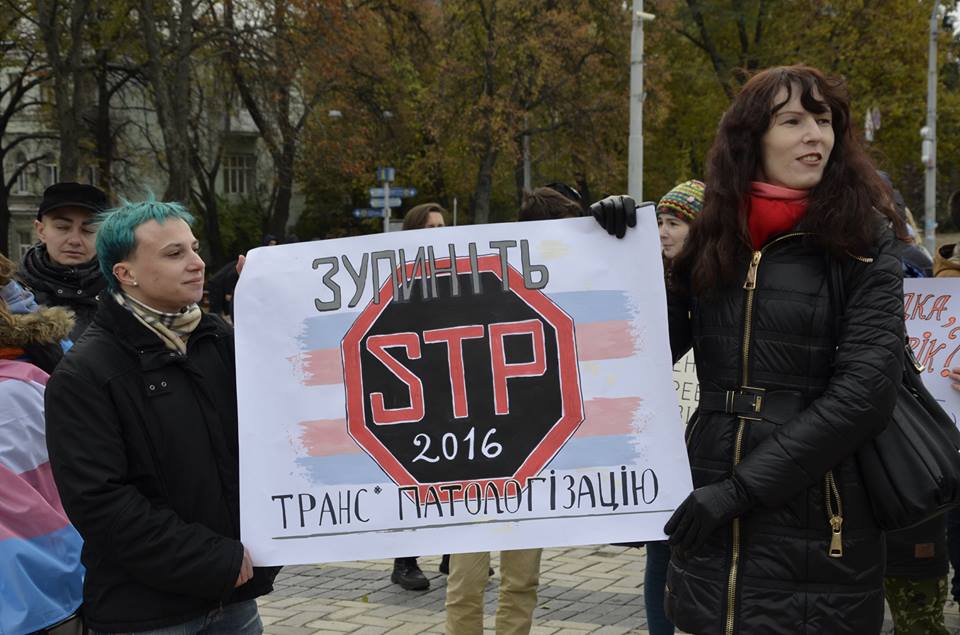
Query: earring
[136,284]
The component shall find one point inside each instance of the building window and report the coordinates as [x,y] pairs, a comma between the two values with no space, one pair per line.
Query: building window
[47,94]
[239,172]
[26,240]
[22,186]
[49,173]
[92,175]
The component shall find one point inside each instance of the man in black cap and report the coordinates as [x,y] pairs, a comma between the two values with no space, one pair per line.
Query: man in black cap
[62,268]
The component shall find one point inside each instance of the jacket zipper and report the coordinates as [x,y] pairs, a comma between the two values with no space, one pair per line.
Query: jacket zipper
[750,285]
[836,519]
[835,550]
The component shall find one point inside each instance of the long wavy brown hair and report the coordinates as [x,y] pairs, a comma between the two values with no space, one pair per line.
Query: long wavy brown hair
[842,209]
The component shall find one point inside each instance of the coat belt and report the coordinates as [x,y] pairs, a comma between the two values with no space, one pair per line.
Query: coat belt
[752,403]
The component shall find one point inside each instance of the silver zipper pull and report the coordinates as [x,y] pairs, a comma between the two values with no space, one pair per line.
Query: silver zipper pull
[751,282]
[836,537]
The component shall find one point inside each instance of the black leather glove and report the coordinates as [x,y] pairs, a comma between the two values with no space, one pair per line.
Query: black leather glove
[615,214]
[703,511]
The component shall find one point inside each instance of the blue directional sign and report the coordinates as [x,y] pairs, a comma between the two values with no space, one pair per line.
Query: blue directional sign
[390,202]
[386,174]
[366,212]
[402,192]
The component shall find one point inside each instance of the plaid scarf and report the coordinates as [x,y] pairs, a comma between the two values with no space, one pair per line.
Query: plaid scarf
[173,329]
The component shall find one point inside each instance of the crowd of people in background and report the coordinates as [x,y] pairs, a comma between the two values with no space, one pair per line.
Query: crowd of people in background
[123,394]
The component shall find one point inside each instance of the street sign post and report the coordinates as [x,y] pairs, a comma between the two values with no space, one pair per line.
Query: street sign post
[366,212]
[385,202]
[402,192]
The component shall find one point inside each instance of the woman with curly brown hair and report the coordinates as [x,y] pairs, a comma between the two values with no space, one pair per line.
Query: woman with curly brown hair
[778,535]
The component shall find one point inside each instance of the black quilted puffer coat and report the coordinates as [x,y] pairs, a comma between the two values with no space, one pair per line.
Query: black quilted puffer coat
[807,558]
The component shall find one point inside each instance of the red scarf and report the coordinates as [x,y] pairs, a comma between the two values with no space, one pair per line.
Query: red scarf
[774,210]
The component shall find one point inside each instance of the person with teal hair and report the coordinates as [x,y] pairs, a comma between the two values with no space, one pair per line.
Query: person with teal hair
[116,231]
[142,438]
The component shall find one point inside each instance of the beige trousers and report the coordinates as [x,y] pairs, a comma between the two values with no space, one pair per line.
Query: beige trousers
[519,578]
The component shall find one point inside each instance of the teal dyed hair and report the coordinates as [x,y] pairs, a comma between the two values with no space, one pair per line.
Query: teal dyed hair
[115,239]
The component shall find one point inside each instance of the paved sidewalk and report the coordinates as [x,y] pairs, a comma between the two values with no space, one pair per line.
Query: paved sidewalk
[596,590]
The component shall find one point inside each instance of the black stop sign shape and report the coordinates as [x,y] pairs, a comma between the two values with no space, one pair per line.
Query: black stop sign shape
[483,386]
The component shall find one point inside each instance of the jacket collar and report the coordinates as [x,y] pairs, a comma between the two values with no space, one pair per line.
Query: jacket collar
[131,333]
[74,284]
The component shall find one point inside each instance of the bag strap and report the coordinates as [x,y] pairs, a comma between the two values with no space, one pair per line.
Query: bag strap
[838,302]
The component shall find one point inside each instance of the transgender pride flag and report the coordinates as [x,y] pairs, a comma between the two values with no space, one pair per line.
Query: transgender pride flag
[42,578]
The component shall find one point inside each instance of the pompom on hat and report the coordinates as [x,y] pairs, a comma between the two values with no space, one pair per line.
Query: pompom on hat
[685,201]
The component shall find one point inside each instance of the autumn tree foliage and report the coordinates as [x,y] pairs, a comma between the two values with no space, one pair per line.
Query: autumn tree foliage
[462,97]
[701,51]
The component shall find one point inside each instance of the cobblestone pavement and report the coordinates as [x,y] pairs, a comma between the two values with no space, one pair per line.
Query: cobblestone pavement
[595,589]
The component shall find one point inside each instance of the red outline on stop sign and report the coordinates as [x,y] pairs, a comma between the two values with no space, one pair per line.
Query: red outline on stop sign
[571,397]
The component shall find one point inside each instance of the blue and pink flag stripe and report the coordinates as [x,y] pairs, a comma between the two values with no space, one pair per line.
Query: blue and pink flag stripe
[43,576]
[604,334]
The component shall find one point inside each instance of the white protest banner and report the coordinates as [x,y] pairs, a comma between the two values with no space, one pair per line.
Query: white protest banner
[390,408]
[933,326]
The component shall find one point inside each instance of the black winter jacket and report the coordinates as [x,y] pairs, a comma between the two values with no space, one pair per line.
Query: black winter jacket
[143,446]
[75,288]
[770,571]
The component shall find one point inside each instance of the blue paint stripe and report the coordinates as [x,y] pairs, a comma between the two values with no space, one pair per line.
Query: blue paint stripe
[587,452]
[342,469]
[359,469]
[43,580]
[326,331]
[594,306]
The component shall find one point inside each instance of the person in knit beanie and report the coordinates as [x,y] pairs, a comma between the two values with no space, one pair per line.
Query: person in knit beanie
[675,211]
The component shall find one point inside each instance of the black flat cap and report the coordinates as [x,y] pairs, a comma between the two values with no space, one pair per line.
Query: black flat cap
[72,195]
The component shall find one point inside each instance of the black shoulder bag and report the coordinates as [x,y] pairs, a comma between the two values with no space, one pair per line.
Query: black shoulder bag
[911,470]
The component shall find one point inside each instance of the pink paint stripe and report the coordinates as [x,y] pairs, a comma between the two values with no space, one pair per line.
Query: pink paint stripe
[326,437]
[320,367]
[605,417]
[27,512]
[22,371]
[605,340]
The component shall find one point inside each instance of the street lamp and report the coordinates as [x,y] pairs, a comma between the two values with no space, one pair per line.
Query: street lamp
[929,134]
[635,148]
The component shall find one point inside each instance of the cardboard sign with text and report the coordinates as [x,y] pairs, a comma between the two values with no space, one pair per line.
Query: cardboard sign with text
[932,310]
[687,385]
[472,388]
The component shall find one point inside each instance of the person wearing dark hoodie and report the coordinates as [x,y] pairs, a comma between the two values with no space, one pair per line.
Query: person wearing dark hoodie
[61,269]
